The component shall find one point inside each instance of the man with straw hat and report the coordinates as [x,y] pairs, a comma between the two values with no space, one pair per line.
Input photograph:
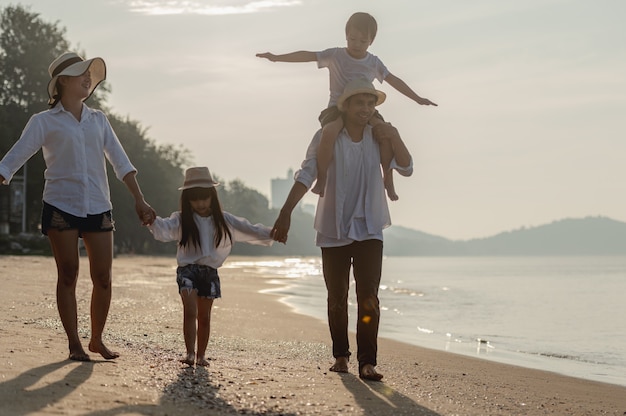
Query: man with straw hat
[76,142]
[350,219]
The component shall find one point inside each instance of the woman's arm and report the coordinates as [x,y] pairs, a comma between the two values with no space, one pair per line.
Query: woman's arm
[144,211]
[29,143]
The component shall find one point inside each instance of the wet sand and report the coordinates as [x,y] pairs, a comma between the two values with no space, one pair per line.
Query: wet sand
[265,358]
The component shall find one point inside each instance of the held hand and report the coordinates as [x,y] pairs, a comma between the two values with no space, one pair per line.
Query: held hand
[145,212]
[148,218]
[267,55]
[281,228]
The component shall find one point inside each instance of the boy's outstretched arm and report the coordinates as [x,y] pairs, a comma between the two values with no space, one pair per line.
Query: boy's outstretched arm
[299,56]
[401,86]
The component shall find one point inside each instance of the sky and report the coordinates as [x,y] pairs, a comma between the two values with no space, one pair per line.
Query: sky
[530,127]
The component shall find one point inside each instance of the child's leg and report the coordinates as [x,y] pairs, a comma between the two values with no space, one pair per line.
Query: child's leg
[325,153]
[204,329]
[386,155]
[190,313]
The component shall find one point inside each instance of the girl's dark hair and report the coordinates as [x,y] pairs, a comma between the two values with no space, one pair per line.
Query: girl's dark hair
[364,23]
[189,230]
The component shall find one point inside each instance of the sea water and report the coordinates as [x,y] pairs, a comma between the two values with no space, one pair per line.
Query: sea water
[560,314]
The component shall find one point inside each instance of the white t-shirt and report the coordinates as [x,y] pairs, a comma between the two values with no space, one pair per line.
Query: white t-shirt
[343,68]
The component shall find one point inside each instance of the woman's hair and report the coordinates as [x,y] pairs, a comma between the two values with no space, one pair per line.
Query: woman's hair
[58,95]
[189,230]
[364,23]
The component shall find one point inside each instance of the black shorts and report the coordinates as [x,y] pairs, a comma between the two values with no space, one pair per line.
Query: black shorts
[203,279]
[54,218]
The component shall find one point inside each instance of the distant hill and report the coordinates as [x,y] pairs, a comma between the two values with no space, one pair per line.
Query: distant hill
[402,241]
[567,237]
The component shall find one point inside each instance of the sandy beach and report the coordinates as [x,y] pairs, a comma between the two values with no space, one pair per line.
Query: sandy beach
[265,358]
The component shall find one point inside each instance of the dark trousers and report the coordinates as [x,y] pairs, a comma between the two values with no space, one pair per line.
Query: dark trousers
[366,258]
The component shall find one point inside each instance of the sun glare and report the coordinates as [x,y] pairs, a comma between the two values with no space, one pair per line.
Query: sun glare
[216,7]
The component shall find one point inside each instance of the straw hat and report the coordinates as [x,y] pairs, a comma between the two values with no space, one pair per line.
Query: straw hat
[360,86]
[198,177]
[73,65]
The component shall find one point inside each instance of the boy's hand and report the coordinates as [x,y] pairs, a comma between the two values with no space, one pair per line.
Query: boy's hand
[267,55]
[425,101]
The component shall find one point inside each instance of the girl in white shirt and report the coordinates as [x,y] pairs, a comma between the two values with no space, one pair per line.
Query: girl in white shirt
[75,140]
[205,234]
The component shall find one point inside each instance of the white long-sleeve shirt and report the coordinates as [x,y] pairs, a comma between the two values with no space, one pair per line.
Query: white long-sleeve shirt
[169,229]
[354,206]
[74,151]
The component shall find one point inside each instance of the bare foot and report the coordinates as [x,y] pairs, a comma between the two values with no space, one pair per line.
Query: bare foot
[341,365]
[79,356]
[101,349]
[188,359]
[77,353]
[368,372]
[203,362]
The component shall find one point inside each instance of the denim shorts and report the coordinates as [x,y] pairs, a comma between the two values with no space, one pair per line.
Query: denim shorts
[54,218]
[203,279]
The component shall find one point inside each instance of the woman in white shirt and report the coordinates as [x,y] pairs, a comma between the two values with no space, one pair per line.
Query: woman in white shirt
[205,235]
[75,140]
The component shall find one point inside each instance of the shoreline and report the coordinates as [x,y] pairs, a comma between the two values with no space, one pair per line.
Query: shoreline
[301,287]
[265,358]
[481,350]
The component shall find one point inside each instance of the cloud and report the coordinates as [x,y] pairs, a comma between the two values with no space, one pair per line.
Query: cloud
[214,7]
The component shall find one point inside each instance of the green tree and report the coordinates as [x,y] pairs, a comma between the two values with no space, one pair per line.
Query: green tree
[160,173]
[240,200]
[27,45]
[243,201]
